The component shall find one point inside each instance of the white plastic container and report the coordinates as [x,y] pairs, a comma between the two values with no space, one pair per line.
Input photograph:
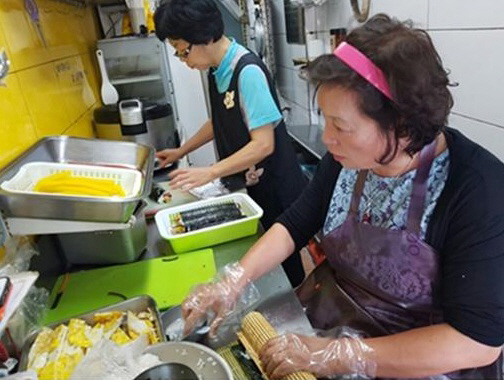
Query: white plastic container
[204,237]
[29,174]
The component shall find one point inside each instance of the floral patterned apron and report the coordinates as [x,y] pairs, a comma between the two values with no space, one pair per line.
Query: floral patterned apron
[381,281]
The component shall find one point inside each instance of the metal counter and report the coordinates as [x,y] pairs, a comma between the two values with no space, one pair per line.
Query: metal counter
[310,137]
[277,302]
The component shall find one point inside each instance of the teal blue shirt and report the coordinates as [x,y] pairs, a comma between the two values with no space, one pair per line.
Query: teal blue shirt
[256,101]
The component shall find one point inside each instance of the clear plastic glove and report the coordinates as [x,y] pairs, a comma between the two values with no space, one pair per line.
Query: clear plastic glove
[167,156]
[324,357]
[214,302]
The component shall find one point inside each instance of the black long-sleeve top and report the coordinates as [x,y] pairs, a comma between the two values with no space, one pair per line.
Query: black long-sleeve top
[466,229]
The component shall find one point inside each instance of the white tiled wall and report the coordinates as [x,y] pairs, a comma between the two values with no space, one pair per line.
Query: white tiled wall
[468,34]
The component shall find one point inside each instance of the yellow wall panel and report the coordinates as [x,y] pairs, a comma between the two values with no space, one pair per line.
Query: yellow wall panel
[24,44]
[45,100]
[17,129]
[92,74]
[67,30]
[3,41]
[90,31]
[77,93]
[61,28]
[83,127]
[52,88]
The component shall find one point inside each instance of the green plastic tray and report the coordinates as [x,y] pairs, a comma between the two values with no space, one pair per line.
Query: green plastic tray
[210,236]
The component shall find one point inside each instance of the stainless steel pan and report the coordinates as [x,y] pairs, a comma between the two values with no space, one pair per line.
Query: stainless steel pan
[65,149]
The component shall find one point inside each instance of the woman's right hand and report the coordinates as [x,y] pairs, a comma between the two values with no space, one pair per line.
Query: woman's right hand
[167,156]
[218,300]
[208,300]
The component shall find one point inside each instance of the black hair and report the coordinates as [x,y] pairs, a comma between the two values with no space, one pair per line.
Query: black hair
[199,22]
[414,71]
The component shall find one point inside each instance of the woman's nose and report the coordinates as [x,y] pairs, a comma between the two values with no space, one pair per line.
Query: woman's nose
[328,138]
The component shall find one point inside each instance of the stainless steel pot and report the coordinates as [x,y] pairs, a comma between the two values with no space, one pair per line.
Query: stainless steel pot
[172,371]
[205,362]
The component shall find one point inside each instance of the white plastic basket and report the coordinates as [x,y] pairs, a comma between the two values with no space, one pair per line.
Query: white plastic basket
[29,174]
[204,237]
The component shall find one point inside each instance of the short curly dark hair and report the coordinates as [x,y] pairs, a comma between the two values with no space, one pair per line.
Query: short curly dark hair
[418,82]
[199,22]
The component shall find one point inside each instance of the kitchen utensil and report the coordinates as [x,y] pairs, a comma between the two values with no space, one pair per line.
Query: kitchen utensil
[172,371]
[108,92]
[255,332]
[167,279]
[135,305]
[205,362]
[65,149]
[209,236]
[173,324]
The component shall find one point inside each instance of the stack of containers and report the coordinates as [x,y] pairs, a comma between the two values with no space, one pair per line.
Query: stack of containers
[90,229]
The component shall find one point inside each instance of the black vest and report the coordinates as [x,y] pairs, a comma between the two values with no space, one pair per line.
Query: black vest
[282,180]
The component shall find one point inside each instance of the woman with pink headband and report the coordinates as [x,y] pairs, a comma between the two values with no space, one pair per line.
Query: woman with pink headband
[412,217]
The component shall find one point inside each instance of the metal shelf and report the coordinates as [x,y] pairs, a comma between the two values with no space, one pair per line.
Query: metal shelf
[142,78]
[309,137]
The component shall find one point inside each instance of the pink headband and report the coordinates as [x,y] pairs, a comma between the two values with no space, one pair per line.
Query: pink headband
[363,66]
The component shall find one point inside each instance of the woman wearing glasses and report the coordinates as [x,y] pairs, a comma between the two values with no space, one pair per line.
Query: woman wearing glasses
[252,143]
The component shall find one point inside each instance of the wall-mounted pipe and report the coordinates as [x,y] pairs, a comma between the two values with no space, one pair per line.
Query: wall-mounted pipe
[361,14]
[233,8]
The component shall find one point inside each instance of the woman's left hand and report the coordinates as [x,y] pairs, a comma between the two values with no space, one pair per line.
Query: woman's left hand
[292,353]
[321,356]
[189,178]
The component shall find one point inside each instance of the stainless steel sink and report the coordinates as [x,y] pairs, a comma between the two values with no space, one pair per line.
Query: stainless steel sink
[65,149]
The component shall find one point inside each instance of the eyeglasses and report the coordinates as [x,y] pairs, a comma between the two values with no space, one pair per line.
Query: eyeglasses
[183,54]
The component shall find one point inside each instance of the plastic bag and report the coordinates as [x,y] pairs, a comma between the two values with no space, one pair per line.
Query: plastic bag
[108,360]
[210,190]
[18,253]
[25,375]
[27,317]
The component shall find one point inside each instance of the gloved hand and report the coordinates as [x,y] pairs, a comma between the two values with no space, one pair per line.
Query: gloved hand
[324,357]
[216,301]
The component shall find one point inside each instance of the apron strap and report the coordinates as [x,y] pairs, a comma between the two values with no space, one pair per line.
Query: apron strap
[419,191]
[357,193]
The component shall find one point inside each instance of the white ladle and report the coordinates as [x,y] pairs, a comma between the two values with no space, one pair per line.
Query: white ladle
[109,94]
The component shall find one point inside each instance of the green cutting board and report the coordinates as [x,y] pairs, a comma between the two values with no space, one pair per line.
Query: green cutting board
[167,279]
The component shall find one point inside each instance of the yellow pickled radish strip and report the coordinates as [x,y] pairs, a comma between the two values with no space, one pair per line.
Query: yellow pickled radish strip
[64,183]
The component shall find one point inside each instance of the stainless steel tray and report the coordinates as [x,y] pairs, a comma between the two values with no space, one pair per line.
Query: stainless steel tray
[65,149]
[136,304]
